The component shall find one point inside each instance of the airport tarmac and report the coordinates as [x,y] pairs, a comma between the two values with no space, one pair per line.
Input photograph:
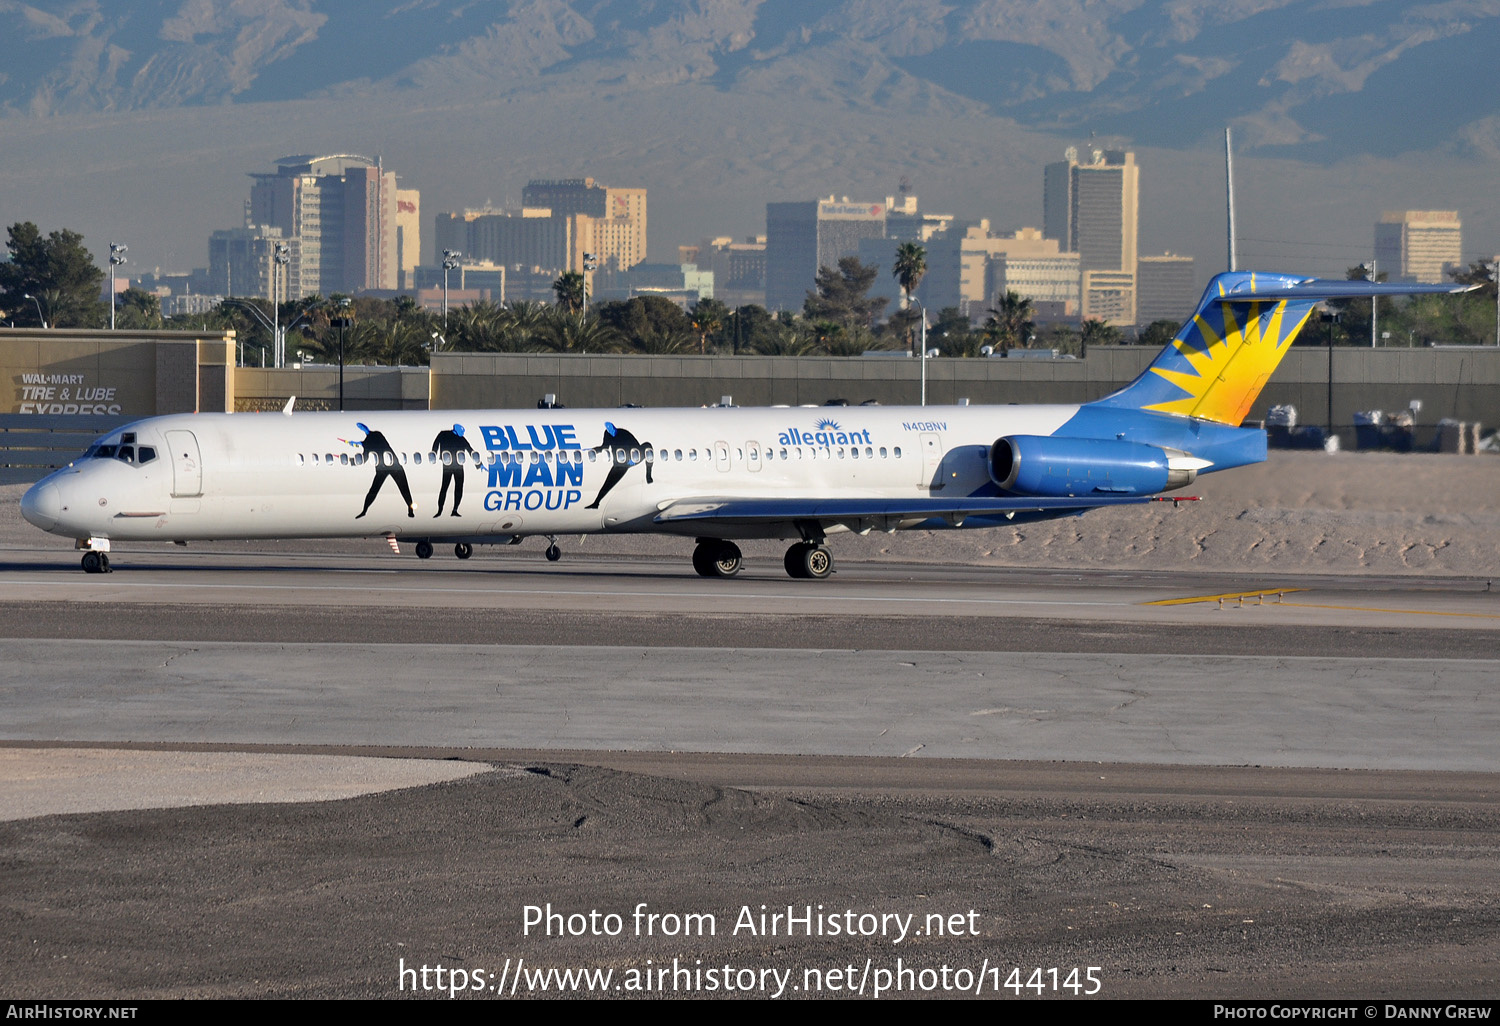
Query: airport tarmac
[1240,784]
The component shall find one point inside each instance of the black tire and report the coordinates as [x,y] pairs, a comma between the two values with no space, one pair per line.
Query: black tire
[717,559]
[463,550]
[814,562]
[424,550]
[553,553]
[91,563]
[793,561]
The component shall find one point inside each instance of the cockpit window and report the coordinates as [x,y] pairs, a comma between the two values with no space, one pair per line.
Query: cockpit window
[146,453]
[127,453]
[128,438]
[104,452]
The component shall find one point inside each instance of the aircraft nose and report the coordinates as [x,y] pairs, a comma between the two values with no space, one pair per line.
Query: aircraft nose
[42,506]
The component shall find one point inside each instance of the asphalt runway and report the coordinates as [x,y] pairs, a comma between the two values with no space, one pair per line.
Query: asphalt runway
[1208,785]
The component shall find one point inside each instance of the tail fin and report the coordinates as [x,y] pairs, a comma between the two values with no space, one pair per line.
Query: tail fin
[1246,321]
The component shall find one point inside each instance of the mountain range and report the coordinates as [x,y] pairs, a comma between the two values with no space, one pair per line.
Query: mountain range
[140,118]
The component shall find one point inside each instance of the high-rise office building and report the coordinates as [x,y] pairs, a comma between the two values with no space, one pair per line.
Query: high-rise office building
[1092,209]
[1418,245]
[802,237]
[971,267]
[1166,288]
[618,232]
[242,262]
[408,235]
[343,209]
[559,222]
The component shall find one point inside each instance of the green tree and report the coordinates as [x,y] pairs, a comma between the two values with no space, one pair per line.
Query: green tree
[570,291]
[139,310]
[59,272]
[842,295]
[1158,333]
[908,268]
[1481,273]
[709,316]
[1095,332]
[642,317]
[1009,325]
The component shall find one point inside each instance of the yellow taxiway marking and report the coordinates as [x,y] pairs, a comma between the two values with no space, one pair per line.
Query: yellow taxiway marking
[1376,609]
[1224,597]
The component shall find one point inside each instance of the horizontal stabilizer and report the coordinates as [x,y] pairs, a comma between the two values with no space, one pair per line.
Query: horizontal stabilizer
[1318,289]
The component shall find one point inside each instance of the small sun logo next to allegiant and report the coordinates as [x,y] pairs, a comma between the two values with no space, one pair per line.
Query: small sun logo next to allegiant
[827,432]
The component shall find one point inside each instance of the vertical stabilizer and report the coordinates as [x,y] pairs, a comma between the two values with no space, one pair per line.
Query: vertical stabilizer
[1223,356]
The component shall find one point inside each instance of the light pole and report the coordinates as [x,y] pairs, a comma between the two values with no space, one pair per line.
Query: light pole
[1496,271]
[590,265]
[279,260]
[116,258]
[38,303]
[923,344]
[450,262]
[341,322]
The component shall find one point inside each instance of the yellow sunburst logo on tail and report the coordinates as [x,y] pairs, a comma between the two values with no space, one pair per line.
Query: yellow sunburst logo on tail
[1223,366]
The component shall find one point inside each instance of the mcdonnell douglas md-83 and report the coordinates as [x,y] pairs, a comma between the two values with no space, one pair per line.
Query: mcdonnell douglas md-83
[716,475]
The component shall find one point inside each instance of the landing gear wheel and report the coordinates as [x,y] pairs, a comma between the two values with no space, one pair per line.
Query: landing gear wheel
[553,553]
[95,563]
[424,550]
[715,558]
[463,550]
[808,561]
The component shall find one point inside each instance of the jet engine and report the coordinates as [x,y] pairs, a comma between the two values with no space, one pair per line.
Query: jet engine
[1055,467]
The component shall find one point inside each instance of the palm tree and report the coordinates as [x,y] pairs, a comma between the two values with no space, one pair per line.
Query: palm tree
[525,325]
[708,319]
[570,291]
[1009,325]
[908,268]
[1094,332]
[577,332]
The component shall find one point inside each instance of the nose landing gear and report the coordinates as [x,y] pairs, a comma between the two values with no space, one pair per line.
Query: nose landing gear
[96,563]
[553,552]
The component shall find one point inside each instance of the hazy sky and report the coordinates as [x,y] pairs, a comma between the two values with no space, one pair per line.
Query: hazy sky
[140,122]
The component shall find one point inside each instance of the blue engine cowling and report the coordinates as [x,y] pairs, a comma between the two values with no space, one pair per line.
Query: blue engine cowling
[1045,466]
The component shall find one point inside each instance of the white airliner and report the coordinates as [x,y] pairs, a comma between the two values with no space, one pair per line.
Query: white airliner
[717,475]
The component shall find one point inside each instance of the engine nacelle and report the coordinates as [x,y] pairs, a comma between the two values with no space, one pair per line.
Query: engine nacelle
[1057,467]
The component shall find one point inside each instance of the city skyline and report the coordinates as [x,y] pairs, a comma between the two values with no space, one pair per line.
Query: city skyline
[738,107]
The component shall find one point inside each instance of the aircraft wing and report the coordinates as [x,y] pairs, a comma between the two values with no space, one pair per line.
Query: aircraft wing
[955,510]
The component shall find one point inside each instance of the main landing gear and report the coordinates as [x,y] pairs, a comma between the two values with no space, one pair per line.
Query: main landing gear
[96,563]
[463,550]
[808,560]
[716,558]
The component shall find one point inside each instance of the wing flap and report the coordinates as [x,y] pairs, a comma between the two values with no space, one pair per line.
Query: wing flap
[756,511]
